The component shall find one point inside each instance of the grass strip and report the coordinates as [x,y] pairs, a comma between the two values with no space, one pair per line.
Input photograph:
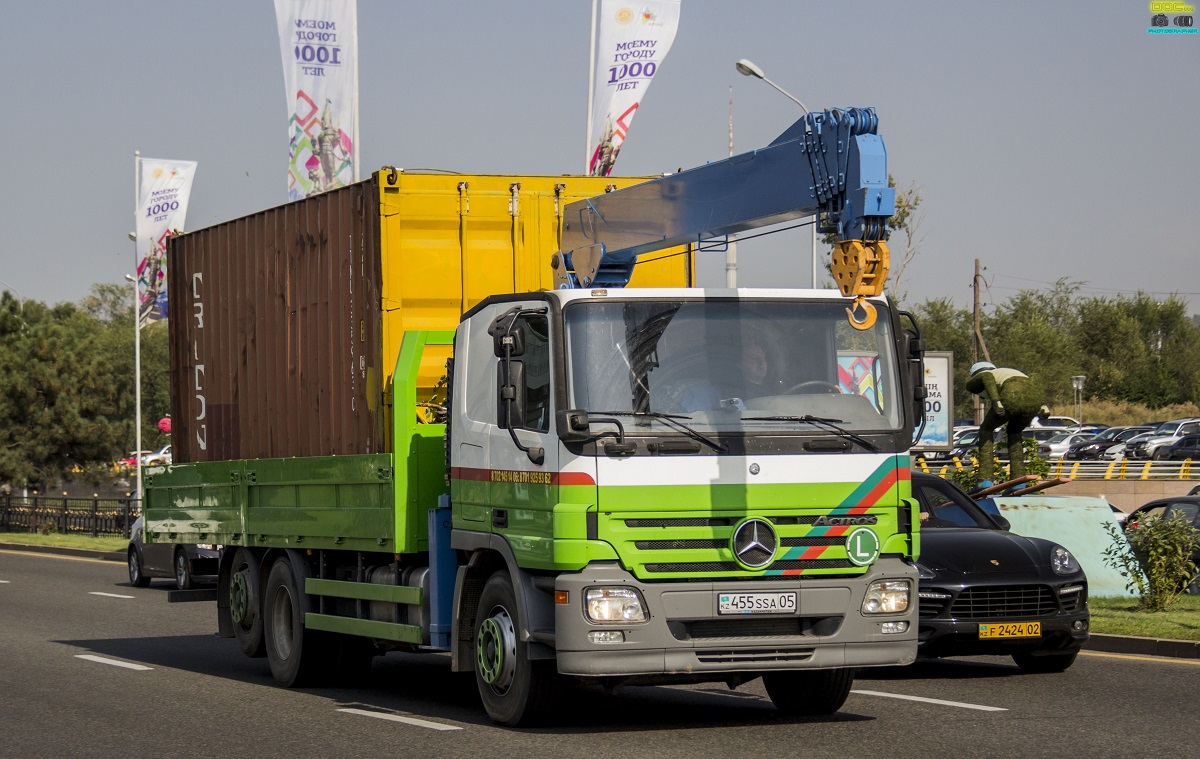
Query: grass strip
[1120,616]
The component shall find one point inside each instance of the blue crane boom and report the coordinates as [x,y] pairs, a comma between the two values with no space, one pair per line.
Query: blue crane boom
[831,164]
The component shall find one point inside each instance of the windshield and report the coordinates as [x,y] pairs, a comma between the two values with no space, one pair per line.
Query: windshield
[732,365]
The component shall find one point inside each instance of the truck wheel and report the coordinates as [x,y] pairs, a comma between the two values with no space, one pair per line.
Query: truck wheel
[1028,662]
[183,570]
[137,575]
[294,653]
[809,693]
[514,690]
[245,606]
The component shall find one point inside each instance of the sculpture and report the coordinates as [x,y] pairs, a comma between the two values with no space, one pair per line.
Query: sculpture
[1015,400]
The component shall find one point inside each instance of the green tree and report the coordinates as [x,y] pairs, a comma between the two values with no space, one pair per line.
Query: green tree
[1033,332]
[946,327]
[59,393]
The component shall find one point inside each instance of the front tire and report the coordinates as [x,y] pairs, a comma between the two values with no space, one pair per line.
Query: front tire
[1033,664]
[137,575]
[809,693]
[293,652]
[514,690]
[183,570]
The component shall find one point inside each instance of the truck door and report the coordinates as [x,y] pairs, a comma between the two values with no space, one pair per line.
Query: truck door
[507,453]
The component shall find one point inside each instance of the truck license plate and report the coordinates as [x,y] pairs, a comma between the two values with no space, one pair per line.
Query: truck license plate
[756,603]
[1011,630]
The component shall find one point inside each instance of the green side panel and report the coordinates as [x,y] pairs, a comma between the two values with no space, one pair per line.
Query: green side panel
[363,591]
[419,447]
[330,502]
[366,628]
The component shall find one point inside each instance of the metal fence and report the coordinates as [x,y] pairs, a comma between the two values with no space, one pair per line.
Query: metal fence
[1087,470]
[78,516]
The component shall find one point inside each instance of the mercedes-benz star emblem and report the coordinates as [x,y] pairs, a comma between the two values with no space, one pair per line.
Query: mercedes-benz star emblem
[754,543]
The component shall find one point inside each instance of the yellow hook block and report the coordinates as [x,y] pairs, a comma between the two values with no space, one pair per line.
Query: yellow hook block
[860,270]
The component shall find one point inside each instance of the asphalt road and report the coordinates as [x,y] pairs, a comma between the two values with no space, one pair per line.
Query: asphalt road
[91,667]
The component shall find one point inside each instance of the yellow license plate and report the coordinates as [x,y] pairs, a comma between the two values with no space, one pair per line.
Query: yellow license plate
[1011,630]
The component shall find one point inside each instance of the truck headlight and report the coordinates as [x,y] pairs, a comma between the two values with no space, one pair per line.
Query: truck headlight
[614,606]
[887,597]
[1062,561]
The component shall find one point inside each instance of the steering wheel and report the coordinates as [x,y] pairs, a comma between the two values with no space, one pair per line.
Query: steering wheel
[828,387]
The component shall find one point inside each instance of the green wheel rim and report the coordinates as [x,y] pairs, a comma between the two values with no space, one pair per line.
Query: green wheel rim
[496,651]
[238,594]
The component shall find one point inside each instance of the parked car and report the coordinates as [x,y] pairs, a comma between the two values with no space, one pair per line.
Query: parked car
[1055,421]
[1187,447]
[160,457]
[134,456]
[985,590]
[1148,446]
[1096,448]
[188,564]
[1057,446]
[1185,506]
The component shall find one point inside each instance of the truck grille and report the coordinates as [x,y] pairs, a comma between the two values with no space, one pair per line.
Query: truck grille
[662,546]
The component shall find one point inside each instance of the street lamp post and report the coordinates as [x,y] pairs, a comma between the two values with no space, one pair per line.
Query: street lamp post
[1077,383]
[137,383]
[747,67]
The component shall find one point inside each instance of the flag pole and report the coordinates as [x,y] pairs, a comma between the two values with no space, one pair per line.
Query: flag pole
[137,328]
[357,151]
[587,158]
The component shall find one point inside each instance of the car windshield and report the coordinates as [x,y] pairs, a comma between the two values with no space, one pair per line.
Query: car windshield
[1111,433]
[943,506]
[733,365]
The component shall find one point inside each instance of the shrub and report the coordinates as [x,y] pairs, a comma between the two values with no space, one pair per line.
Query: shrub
[967,477]
[1155,558]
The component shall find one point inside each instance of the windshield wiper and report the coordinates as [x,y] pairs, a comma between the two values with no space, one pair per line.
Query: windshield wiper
[671,420]
[819,421]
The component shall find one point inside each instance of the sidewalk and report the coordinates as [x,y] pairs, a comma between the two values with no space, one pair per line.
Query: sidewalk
[1112,644]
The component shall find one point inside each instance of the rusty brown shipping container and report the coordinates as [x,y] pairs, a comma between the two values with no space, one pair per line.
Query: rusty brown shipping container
[285,324]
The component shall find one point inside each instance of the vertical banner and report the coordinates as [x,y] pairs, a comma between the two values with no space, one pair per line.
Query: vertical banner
[634,40]
[319,43]
[939,402]
[163,189]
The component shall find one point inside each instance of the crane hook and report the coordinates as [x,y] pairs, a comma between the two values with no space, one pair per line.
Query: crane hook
[868,318]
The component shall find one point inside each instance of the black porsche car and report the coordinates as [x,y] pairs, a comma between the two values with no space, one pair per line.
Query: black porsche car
[986,591]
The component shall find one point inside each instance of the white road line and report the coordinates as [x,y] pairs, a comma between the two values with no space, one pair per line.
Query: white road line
[939,701]
[5,582]
[398,718]
[114,662]
[108,595]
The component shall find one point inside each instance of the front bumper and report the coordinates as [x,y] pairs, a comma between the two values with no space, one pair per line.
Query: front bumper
[685,636]
[1064,630]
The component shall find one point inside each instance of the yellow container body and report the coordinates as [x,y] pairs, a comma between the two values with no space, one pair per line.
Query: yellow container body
[448,241]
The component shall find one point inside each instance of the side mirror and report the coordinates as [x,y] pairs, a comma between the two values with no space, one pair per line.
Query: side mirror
[573,426]
[510,383]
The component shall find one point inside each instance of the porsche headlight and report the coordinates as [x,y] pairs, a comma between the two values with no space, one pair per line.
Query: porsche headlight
[1062,561]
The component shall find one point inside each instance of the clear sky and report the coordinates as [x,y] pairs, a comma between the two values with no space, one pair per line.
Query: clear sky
[1050,139]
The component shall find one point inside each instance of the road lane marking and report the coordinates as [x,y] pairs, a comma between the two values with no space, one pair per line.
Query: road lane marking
[938,701]
[1137,657]
[4,582]
[114,662]
[398,718]
[108,595]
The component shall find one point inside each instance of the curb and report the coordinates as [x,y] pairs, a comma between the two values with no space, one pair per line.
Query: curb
[63,551]
[1129,644]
